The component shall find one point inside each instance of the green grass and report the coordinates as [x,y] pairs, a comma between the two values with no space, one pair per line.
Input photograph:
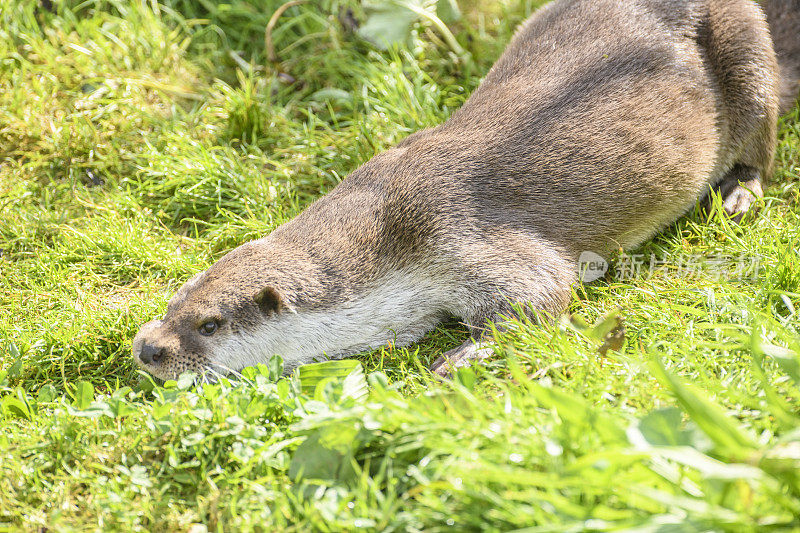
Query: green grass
[140,141]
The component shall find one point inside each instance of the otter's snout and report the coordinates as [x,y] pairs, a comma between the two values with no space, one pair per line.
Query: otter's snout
[146,351]
[151,355]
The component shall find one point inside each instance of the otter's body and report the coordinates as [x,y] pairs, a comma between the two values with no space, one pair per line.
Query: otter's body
[601,123]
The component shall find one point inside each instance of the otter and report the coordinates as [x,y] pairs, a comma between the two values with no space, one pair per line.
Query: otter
[601,123]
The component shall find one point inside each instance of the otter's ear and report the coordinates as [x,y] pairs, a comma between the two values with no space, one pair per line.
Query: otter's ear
[269,301]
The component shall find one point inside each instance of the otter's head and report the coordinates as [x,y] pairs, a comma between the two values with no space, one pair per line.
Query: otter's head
[215,324]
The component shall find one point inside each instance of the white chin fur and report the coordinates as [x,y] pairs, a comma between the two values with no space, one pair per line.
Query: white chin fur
[399,309]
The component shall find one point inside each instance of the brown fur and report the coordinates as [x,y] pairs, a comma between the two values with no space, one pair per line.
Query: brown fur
[783,17]
[602,122]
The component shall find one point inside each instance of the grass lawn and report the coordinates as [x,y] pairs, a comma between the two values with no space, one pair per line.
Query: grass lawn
[140,141]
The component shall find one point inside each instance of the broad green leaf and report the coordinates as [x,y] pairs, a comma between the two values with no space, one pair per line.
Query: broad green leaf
[84,394]
[186,380]
[387,23]
[16,368]
[46,394]
[120,407]
[326,454]
[275,367]
[282,388]
[325,390]
[162,411]
[15,407]
[313,374]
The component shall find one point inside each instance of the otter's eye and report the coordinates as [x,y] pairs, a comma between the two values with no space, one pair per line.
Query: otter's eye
[208,328]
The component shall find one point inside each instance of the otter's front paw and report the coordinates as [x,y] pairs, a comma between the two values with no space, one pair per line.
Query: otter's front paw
[460,357]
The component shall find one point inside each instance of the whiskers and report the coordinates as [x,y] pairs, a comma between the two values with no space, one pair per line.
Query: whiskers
[212,373]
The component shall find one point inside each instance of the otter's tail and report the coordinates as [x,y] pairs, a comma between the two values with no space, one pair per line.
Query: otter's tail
[783,17]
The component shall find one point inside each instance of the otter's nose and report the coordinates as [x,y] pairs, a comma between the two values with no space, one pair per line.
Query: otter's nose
[151,355]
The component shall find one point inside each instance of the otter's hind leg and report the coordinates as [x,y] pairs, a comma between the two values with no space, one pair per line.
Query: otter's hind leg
[740,52]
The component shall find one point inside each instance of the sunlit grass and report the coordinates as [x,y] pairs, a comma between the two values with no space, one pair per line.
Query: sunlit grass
[140,141]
